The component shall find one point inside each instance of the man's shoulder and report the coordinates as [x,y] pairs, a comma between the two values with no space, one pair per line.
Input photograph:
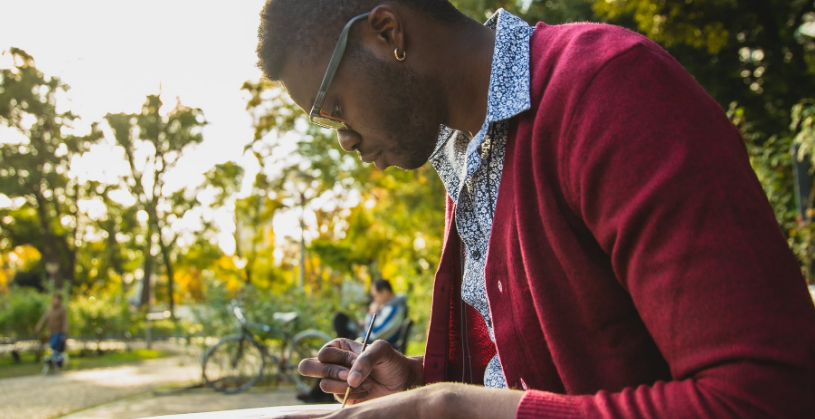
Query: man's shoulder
[586,40]
[397,300]
[574,52]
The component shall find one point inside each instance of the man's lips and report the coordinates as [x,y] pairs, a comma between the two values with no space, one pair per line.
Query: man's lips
[369,157]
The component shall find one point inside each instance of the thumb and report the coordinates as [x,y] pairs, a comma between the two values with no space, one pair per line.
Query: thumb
[380,351]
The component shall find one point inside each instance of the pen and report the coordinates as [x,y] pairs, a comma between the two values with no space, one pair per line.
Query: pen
[364,345]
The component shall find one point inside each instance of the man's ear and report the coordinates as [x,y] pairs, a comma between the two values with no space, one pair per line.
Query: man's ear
[388,29]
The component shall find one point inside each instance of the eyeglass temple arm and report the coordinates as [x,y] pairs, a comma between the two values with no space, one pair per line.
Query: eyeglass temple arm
[336,57]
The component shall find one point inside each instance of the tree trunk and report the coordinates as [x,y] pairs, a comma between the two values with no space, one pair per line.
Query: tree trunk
[51,249]
[148,272]
[248,275]
[168,266]
[148,268]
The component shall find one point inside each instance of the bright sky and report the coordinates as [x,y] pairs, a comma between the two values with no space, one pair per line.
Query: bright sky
[115,53]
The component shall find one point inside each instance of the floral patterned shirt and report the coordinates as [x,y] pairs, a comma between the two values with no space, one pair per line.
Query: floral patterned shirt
[471,168]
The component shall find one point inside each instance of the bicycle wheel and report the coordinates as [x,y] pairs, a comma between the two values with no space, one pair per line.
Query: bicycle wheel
[234,364]
[305,344]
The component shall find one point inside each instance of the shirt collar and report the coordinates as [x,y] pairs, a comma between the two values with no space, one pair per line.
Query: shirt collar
[509,75]
[508,95]
[509,78]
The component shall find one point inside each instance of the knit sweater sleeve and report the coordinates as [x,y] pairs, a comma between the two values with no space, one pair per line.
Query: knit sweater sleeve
[662,179]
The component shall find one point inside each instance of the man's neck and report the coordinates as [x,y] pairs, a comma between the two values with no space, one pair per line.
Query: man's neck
[466,72]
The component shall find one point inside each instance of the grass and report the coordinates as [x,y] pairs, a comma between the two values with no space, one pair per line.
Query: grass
[415,348]
[29,365]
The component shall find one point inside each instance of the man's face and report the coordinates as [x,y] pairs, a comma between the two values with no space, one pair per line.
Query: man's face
[380,297]
[392,117]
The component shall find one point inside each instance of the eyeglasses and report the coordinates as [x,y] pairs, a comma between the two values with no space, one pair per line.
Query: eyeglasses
[316,115]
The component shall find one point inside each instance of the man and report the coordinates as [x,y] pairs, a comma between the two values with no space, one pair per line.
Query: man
[609,252]
[56,317]
[391,311]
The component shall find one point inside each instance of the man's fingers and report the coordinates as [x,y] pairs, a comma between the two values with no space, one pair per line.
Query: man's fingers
[338,387]
[313,368]
[377,352]
[337,355]
[345,345]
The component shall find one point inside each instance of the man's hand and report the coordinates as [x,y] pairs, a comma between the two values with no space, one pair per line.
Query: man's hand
[449,401]
[378,372]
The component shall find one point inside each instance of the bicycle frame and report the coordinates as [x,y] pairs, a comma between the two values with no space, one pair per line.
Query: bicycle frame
[246,331]
[294,347]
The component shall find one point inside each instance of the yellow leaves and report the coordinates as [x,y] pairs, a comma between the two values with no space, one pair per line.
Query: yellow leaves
[189,284]
[20,258]
[674,22]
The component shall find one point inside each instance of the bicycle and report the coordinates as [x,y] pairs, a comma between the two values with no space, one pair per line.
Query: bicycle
[237,362]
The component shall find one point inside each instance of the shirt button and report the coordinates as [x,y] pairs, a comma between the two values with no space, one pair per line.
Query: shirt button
[475,254]
[500,287]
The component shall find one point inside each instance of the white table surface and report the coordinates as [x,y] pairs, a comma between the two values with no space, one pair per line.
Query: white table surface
[261,413]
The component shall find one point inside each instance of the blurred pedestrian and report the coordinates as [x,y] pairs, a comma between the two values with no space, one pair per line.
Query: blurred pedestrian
[56,317]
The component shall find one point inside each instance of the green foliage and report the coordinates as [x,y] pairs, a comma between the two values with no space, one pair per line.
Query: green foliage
[226,179]
[103,317]
[695,23]
[803,127]
[31,279]
[259,305]
[40,142]
[20,310]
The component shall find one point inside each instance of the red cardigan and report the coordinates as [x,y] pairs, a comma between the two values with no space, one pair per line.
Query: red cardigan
[635,267]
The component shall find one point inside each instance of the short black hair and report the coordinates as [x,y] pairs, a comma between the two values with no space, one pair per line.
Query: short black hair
[308,26]
[382,284]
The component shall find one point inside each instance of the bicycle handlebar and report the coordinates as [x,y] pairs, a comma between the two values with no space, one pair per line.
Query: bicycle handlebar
[236,310]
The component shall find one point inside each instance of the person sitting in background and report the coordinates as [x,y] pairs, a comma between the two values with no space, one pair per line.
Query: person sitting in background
[57,319]
[391,309]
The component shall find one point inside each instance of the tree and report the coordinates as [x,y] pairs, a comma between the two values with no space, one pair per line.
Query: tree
[36,153]
[153,143]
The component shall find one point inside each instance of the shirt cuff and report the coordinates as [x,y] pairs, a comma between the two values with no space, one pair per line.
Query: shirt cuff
[540,404]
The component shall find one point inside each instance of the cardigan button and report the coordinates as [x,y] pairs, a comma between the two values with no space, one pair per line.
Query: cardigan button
[523,384]
[500,287]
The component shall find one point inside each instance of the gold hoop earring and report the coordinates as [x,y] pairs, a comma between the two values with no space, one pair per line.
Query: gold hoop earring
[396,54]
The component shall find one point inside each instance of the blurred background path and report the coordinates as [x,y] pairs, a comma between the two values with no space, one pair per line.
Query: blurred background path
[45,397]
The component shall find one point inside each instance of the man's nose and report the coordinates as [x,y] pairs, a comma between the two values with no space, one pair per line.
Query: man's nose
[349,140]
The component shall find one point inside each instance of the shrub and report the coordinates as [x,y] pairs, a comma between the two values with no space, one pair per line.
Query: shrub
[315,311]
[103,317]
[20,309]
